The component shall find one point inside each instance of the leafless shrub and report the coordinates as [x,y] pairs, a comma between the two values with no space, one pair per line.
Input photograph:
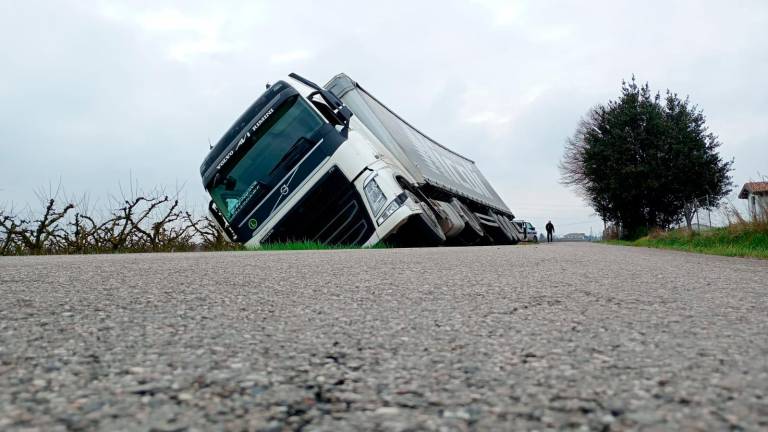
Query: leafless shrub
[208,234]
[37,234]
[81,235]
[137,222]
[733,215]
[9,224]
[738,220]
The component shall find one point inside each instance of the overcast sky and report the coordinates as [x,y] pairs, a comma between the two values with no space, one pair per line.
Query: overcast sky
[92,93]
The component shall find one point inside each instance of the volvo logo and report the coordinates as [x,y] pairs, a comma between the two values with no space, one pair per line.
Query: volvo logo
[284,190]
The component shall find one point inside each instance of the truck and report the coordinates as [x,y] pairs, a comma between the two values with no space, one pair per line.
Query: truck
[334,165]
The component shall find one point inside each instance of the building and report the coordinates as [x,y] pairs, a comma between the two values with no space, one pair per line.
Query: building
[575,237]
[756,194]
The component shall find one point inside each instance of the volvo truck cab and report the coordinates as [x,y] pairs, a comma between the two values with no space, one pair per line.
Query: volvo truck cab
[296,166]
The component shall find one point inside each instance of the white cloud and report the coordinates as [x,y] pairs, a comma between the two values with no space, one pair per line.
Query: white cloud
[504,12]
[290,56]
[534,92]
[190,36]
[489,117]
[553,33]
[174,20]
[184,36]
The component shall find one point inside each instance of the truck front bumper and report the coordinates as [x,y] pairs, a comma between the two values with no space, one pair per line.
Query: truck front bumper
[397,208]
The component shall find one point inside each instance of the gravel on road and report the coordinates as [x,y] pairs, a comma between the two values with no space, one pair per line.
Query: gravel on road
[561,336]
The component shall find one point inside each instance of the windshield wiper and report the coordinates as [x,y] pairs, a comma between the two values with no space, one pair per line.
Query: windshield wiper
[297,150]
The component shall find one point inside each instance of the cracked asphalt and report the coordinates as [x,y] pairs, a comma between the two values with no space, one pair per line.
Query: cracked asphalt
[566,336]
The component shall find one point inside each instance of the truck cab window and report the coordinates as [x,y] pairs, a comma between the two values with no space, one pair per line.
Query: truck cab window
[281,141]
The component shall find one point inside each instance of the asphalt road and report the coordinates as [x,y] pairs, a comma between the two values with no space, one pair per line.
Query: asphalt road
[564,336]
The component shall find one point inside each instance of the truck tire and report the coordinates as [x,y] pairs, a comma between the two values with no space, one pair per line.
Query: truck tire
[508,229]
[450,220]
[433,234]
[499,232]
[490,224]
[473,232]
[421,230]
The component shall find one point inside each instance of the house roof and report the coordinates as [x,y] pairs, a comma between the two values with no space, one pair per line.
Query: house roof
[753,188]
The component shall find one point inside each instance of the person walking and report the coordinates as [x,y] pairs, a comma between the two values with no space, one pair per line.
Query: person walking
[550,230]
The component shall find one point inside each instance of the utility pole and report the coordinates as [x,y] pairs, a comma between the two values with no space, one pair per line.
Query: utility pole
[709,212]
[698,225]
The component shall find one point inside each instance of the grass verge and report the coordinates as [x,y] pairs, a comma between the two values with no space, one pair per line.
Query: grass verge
[310,245]
[737,241]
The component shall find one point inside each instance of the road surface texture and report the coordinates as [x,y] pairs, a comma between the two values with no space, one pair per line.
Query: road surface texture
[563,336]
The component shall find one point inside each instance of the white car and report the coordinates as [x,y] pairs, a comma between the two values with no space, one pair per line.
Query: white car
[526,231]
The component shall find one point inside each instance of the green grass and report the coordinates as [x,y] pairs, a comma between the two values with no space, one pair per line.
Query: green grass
[310,245]
[739,241]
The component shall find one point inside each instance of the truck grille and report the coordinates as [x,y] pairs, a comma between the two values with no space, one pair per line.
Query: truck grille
[332,212]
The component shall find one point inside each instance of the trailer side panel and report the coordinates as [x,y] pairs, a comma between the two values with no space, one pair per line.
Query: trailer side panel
[430,161]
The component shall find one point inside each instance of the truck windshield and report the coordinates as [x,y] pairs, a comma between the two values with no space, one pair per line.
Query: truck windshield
[275,147]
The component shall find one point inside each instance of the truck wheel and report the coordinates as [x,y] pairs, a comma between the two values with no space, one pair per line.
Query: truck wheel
[505,234]
[432,233]
[473,232]
[510,229]
[421,230]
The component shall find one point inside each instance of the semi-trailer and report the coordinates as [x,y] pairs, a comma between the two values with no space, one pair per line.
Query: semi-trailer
[335,165]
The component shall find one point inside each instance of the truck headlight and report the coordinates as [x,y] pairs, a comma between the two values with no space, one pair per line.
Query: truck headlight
[392,207]
[376,198]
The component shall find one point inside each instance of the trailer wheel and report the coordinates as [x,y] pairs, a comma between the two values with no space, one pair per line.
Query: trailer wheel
[432,234]
[506,234]
[473,232]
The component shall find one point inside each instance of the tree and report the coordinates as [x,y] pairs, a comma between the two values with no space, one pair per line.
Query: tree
[643,162]
[705,178]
